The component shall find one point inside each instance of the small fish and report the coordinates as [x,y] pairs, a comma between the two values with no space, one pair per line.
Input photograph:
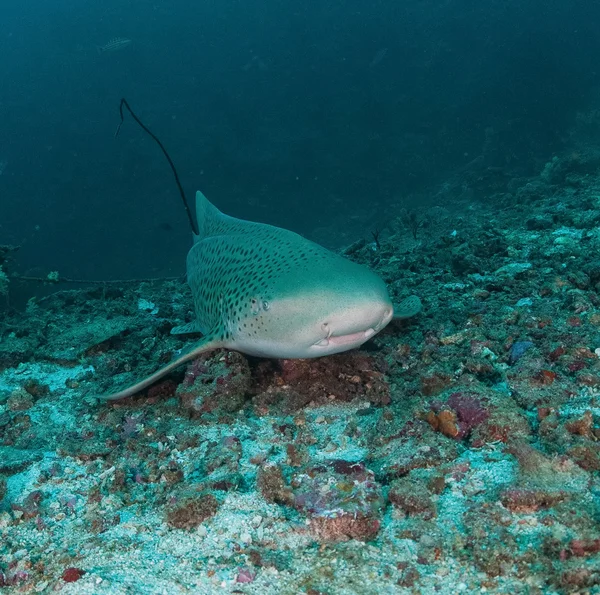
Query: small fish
[118,43]
[255,63]
[378,57]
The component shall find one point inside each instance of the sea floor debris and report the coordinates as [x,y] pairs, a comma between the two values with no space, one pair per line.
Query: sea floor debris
[455,453]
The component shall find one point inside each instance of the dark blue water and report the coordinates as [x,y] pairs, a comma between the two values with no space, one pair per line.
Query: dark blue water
[300,114]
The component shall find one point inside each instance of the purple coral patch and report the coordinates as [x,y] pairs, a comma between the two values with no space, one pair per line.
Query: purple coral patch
[469,410]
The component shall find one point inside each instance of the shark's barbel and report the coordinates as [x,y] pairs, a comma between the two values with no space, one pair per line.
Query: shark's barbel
[269,292]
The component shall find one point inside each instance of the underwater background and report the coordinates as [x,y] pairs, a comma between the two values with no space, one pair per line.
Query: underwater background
[451,148]
[312,115]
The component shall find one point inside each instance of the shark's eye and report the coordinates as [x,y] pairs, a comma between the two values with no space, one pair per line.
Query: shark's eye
[266,305]
[325,328]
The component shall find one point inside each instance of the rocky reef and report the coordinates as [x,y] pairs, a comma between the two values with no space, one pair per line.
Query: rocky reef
[455,452]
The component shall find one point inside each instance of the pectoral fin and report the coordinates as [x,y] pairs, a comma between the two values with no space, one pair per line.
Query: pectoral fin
[207,343]
[186,329]
[408,308]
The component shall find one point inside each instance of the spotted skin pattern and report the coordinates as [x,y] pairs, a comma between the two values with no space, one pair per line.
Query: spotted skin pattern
[235,267]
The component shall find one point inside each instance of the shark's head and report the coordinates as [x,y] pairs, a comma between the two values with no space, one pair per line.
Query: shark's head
[306,314]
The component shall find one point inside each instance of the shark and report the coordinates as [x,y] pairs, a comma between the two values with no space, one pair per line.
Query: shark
[269,292]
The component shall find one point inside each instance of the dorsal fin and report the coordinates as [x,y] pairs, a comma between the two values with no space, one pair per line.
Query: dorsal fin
[212,222]
[208,217]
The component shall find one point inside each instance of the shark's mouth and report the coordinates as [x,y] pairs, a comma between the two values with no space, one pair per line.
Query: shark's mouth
[352,339]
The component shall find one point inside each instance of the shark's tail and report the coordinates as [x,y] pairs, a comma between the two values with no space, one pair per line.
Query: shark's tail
[124,104]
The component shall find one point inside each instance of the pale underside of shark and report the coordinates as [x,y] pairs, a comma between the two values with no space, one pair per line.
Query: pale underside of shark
[268,292]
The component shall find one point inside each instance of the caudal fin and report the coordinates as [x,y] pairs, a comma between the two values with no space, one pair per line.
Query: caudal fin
[206,344]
